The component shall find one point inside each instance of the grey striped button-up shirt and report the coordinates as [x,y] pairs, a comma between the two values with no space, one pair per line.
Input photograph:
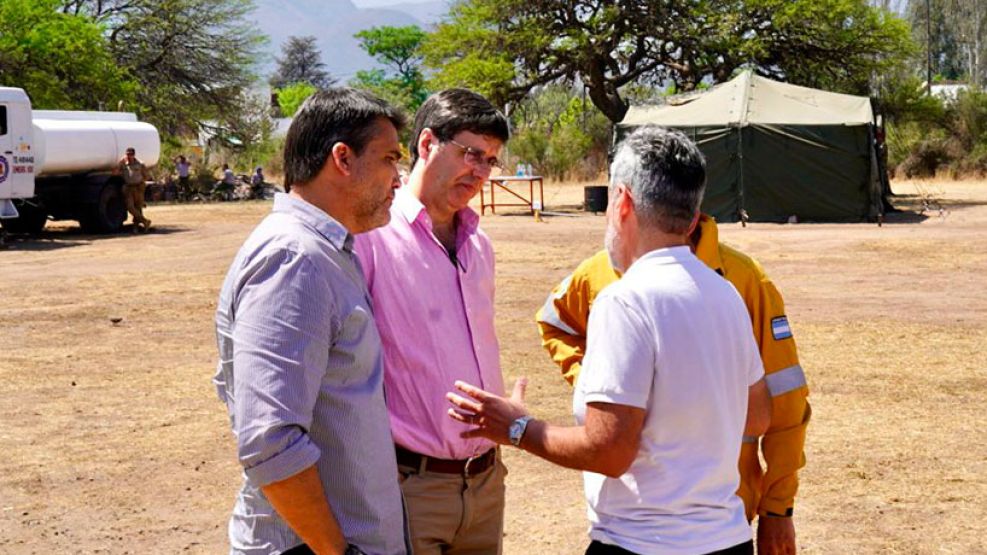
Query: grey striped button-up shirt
[300,371]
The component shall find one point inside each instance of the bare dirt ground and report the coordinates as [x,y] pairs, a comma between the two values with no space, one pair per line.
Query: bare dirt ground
[112,439]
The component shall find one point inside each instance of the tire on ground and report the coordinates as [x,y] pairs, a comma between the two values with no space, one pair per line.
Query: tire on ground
[107,214]
[32,219]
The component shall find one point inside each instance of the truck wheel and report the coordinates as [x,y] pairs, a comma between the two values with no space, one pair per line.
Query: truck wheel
[107,214]
[32,219]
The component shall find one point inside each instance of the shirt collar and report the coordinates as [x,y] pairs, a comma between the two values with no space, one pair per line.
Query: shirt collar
[708,249]
[315,217]
[408,204]
[411,208]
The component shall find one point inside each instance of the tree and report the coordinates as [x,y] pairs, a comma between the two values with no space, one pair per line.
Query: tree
[301,62]
[397,48]
[559,133]
[958,37]
[507,47]
[247,135]
[61,60]
[290,98]
[192,58]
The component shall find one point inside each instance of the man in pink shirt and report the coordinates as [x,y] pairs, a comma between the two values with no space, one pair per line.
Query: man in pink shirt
[431,275]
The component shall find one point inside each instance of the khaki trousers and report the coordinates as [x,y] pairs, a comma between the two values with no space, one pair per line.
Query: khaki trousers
[133,197]
[452,515]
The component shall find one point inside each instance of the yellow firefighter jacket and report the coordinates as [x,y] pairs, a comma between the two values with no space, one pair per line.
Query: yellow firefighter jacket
[563,319]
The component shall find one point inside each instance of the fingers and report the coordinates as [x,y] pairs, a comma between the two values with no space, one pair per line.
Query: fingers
[519,387]
[472,390]
[466,417]
[463,403]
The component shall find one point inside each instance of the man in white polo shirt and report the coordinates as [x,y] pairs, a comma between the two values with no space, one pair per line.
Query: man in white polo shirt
[671,382]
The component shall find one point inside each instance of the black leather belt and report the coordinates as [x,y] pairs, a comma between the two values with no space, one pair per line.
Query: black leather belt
[464,467]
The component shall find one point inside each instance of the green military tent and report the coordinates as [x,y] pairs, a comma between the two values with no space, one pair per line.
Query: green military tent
[775,150]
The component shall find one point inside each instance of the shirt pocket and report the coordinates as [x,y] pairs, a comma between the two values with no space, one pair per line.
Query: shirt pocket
[354,357]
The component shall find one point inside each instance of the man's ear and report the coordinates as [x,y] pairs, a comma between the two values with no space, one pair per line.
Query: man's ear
[624,202]
[693,224]
[426,142]
[341,157]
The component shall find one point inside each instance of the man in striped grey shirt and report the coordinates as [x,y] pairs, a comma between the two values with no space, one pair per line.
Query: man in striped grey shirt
[300,363]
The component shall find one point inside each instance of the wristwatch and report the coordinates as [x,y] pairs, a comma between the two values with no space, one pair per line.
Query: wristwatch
[516,431]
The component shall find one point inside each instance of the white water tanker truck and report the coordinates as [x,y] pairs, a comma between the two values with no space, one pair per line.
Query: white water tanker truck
[59,164]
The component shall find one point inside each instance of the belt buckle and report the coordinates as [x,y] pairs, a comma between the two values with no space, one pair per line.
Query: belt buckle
[469,461]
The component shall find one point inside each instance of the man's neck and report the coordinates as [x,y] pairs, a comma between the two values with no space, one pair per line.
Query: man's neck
[654,239]
[443,223]
[445,232]
[324,202]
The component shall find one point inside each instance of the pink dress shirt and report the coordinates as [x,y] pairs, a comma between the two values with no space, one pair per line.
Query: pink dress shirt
[436,322]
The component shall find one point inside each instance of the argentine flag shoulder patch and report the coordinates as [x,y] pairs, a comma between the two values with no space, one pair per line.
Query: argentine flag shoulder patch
[780,329]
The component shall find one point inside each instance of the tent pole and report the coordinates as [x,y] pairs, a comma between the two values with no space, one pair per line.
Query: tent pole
[742,213]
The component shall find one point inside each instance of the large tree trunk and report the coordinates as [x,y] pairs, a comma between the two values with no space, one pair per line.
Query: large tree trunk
[608,101]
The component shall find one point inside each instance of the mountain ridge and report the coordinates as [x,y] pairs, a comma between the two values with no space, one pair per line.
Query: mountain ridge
[333,23]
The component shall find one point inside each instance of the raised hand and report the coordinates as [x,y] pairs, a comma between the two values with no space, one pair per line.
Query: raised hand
[490,415]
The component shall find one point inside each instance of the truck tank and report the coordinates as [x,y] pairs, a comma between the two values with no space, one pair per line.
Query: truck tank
[86,142]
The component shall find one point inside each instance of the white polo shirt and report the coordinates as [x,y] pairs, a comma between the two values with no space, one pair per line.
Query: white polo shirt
[674,338]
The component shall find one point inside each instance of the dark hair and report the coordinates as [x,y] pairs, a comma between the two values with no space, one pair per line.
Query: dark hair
[450,111]
[130,149]
[334,115]
[666,174]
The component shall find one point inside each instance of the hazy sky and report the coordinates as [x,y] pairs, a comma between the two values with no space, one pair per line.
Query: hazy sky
[374,3]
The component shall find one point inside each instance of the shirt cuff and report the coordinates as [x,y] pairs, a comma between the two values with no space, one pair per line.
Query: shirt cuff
[296,458]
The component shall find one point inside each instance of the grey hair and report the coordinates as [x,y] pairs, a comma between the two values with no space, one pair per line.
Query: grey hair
[666,175]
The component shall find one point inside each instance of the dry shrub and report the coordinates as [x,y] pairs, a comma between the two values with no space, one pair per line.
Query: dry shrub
[925,159]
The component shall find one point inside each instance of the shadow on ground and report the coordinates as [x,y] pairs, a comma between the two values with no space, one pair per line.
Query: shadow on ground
[67,237]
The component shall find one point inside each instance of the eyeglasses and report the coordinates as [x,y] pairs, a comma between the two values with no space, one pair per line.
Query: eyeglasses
[474,158]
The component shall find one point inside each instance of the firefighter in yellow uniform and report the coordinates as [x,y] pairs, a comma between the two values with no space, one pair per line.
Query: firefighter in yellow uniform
[768,493]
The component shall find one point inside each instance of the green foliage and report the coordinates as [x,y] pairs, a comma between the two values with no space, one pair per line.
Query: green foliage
[903,99]
[505,48]
[61,60]
[566,148]
[467,50]
[398,48]
[560,134]
[837,45]
[249,133]
[955,143]
[192,58]
[290,98]
[955,33]
[968,118]
[301,62]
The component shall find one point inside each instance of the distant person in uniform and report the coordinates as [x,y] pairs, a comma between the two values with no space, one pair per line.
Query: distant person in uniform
[135,176]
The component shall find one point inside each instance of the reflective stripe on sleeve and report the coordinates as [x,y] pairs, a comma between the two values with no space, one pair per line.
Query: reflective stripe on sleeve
[749,439]
[783,381]
[549,315]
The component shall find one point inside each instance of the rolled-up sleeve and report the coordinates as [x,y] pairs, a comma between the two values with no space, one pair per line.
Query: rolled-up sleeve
[281,341]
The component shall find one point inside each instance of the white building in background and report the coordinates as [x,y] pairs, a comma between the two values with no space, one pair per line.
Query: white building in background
[948,91]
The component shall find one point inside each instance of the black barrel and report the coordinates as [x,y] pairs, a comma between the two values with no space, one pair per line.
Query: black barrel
[595,198]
